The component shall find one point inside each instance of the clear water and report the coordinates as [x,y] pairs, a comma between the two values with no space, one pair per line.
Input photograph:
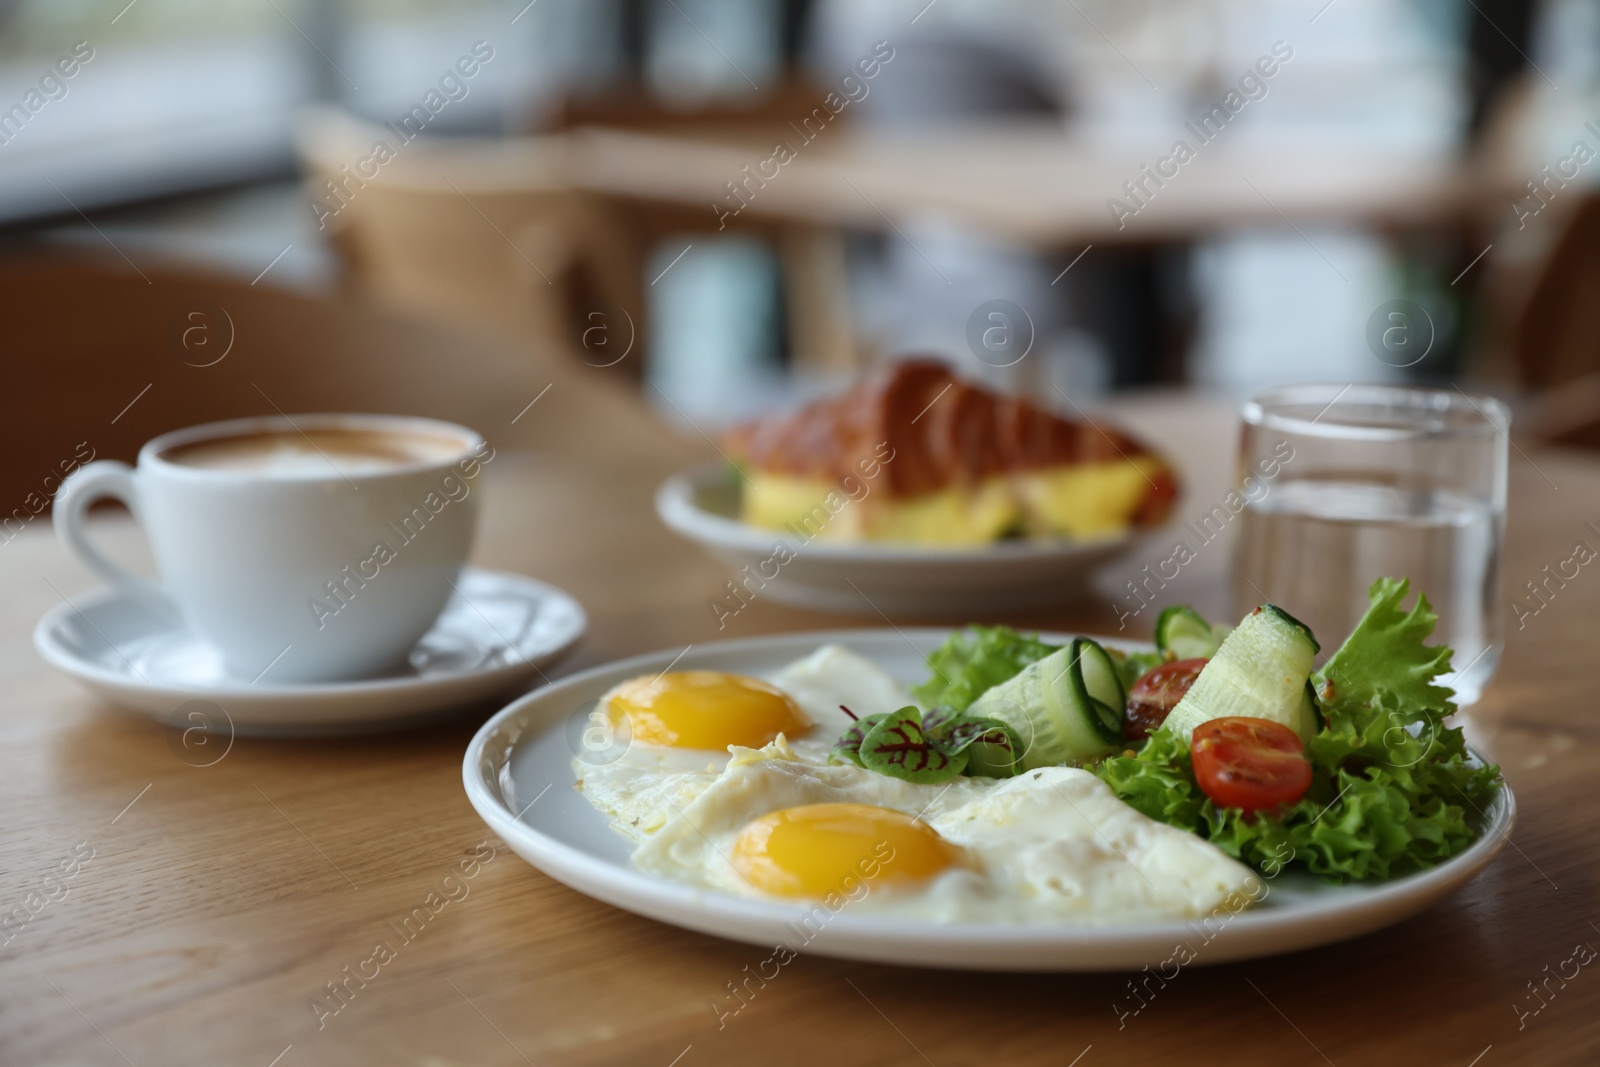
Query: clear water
[1313,547]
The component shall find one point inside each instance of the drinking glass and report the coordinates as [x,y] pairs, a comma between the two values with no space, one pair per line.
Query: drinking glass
[1346,484]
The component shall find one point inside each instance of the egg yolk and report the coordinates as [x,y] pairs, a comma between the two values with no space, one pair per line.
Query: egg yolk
[818,849]
[705,709]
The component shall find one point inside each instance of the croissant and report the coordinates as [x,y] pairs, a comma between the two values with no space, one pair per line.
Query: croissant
[914,453]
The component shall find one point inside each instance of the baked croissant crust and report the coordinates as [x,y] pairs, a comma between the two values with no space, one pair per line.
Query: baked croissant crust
[914,453]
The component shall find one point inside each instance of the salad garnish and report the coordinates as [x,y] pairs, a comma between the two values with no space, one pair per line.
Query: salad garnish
[975,660]
[1349,771]
[1156,692]
[1250,764]
[1392,788]
[902,744]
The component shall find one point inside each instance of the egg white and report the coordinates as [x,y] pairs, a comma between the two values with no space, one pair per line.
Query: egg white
[1057,843]
[1052,844]
[832,678]
[644,786]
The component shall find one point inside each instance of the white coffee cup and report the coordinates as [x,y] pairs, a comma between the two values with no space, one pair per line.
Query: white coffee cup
[304,548]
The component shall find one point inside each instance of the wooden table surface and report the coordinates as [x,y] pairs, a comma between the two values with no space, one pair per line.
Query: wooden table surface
[1035,184]
[217,902]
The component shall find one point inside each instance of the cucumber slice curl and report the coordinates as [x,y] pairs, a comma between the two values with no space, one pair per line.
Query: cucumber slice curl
[1182,631]
[1065,708]
[1260,670]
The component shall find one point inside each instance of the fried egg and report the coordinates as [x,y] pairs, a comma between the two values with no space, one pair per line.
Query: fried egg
[665,738]
[706,710]
[1052,844]
[722,781]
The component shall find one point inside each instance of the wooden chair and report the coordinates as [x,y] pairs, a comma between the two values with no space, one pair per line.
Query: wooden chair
[487,235]
[98,359]
[1544,327]
[498,234]
[1540,326]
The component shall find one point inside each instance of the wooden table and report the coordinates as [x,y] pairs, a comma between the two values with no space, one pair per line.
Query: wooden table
[1037,184]
[220,900]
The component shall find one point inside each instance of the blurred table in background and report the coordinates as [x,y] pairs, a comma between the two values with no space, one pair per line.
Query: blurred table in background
[535,236]
[1034,184]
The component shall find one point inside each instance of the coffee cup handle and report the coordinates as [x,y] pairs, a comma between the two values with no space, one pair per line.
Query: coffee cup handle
[103,479]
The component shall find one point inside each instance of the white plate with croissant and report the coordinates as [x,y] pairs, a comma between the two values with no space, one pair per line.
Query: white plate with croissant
[917,493]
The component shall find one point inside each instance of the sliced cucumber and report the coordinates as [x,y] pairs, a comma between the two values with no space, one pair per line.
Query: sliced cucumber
[1305,631]
[1315,706]
[1260,670]
[1101,680]
[1053,707]
[1181,631]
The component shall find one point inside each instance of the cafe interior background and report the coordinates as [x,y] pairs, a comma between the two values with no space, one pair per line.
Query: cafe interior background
[720,208]
[1399,201]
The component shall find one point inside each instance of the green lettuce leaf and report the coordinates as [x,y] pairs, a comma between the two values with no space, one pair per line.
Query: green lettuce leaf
[1385,656]
[1158,781]
[1393,788]
[973,660]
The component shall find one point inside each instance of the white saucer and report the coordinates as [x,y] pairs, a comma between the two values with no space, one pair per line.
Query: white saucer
[518,775]
[492,638]
[876,578]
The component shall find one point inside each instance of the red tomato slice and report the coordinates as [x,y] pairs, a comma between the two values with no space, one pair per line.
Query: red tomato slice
[1248,763]
[1155,694]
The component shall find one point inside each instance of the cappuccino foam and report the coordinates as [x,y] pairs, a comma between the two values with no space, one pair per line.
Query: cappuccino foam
[316,452]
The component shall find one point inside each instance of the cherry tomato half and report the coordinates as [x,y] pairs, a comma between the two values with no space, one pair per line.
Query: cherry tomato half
[1155,694]
[1248,763]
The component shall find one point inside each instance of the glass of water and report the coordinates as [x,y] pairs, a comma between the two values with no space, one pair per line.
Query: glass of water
[1346,484]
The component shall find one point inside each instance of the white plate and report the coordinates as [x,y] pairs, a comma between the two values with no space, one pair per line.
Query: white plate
[492,638]
[872,578]
[519,777]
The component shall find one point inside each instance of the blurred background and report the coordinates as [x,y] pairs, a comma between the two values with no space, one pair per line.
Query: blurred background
[731,204]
